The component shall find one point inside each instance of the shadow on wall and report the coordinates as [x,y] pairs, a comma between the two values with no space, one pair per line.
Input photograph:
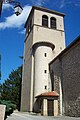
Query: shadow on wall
[37,107]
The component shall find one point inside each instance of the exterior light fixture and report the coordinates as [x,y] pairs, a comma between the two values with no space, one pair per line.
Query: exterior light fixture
[17,7]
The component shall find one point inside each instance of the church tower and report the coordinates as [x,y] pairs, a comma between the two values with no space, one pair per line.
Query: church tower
[45,39]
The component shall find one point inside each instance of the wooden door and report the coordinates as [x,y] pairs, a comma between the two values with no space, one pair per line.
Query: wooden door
[50,107]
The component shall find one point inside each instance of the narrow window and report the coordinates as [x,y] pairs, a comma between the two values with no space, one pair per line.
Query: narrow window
[53,22]
[45,20]
[45,87]
[45,54]
[45,71]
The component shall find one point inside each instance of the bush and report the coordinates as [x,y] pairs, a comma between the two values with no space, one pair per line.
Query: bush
[10,107]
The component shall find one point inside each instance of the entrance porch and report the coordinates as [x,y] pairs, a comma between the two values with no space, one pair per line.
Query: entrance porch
[47,103]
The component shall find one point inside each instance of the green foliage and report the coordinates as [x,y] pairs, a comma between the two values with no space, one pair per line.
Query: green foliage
[11,88]
[8,104]
[9,107]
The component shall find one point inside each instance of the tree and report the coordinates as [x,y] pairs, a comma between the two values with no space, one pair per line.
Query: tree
[11,88]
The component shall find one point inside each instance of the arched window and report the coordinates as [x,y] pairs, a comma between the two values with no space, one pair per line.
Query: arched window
[53,22]
[45,20]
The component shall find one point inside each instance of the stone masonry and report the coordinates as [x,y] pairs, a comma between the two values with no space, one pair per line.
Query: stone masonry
[66,68]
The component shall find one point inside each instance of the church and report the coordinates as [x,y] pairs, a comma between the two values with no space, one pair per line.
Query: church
[50,80]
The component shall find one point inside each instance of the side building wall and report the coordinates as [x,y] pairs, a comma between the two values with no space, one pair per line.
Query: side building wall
[71,81]
[55,74]
[66,68]
[27,75]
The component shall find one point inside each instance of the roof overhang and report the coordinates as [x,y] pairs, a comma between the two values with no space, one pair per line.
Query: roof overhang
[48,94]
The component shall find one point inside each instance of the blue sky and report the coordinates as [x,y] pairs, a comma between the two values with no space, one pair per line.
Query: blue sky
[12,32]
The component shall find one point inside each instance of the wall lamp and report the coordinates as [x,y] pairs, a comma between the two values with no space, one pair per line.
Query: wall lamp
[17,7]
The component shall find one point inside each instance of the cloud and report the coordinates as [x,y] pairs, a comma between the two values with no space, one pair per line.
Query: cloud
[7,6]
[64,3]
[14,21]
[39,2]
[23,31]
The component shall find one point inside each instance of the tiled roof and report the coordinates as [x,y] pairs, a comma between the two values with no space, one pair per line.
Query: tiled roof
[48,94]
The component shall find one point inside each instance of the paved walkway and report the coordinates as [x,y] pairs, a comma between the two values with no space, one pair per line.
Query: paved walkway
[26,116]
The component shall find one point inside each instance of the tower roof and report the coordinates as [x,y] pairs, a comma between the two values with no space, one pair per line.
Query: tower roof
[47,10]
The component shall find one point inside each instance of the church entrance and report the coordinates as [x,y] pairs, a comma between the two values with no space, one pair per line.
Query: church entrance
[50,107]
[47,103]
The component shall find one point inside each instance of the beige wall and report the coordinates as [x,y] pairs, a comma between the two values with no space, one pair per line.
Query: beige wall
[50,35]
[39,34]
[41,64]
[38,19]
[27,75]
[55,36]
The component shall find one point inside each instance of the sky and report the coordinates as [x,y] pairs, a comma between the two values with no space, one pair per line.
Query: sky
[12,32]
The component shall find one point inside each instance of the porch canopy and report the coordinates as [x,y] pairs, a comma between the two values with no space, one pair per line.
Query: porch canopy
[48,94]
[47,103]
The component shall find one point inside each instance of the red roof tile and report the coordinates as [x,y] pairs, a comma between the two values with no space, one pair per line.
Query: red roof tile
[48,94]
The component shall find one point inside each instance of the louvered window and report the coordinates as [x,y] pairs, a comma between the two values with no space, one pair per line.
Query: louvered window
[53,22]
[45,20]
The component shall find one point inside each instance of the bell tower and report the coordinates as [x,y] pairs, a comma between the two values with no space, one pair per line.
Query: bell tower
[45,39]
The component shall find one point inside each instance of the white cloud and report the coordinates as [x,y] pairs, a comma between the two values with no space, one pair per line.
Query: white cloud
[39,2]
[14,21]
[7,6]
[62,4]
[23,31]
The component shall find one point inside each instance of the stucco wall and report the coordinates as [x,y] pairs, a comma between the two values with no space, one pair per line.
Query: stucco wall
[27,75]
[55,36]
[39,33]
[50,35]
[41,64]
[38,19]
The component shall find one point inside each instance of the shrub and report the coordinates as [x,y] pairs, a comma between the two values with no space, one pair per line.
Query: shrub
[10,107]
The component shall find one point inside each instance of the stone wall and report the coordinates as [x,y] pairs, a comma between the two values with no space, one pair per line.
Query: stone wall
[66,68]
[71,81]
[27,75]
[55,74]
